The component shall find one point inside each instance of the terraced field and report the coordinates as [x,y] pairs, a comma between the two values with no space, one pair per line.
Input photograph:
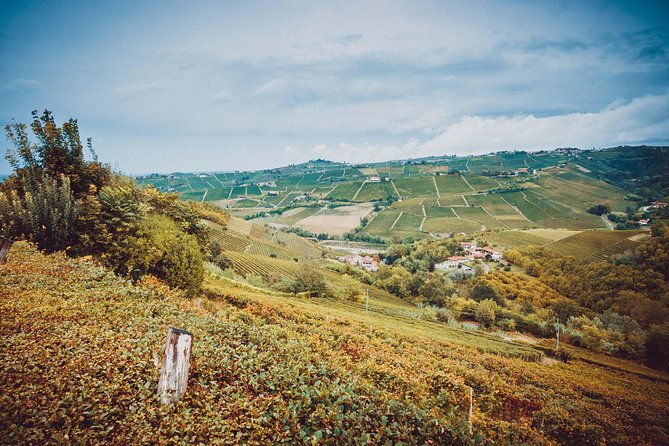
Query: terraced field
[263,266]
[592,245]
[452,185]
[416,187]
[383,222]
[375,192]
[450,224]
[552,197]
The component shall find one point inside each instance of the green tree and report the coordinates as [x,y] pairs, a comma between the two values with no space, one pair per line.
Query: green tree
[58,151]
[161,248]
[45,213]
[483,291]
[486,312]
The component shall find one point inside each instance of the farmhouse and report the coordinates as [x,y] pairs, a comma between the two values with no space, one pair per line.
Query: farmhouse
[494,254]
[273,193]
[468,246]
[658,204]
[374,179]
[365,262]
[369,264]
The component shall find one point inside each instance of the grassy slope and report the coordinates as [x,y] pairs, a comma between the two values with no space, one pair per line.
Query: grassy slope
[76,366]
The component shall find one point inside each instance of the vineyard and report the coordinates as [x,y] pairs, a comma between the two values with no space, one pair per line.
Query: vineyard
[263,266]
[229,240]
[594,245]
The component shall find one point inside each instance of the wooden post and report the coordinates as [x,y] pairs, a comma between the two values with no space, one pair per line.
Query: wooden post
[5,244]
[471,408]
[367,301]
[174,372]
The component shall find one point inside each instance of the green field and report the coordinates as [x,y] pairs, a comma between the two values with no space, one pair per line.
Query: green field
[556,197]
[375,192]
[595,245]
[416,187]
[450,224]
[451,185]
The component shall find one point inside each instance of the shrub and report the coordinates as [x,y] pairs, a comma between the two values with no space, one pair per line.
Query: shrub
[46,213]
[486,312]
[483,291]
[159,247]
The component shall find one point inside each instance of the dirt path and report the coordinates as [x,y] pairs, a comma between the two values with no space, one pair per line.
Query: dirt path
[396,191]
[396,220]
[359,189]
[465,179]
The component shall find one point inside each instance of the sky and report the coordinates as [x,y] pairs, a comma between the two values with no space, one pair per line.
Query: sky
[165,86]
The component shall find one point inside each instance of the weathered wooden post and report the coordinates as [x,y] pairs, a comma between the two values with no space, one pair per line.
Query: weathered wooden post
[5,244]
[174,372]
[471,409]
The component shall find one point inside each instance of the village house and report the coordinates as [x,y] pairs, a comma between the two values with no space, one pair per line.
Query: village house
[479,252]
[494,254]
[658,204]
[468,246]
[374,179]
[452,262]
[366,262]
[273,193]
[369,264]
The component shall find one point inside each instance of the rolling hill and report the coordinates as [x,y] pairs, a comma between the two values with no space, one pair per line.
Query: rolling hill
[268,368]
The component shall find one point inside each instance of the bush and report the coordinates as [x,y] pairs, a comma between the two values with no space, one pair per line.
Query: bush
[160,248]
[486,312]
[483,291]
[45,214]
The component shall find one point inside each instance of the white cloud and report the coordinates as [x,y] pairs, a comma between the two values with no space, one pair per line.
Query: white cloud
[643,120]
[131,90]
[222,96]
[21,84]
[267,87]
[291,150]
[638,121]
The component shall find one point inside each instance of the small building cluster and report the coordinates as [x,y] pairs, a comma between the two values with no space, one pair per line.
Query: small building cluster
[365,262]
[473,252]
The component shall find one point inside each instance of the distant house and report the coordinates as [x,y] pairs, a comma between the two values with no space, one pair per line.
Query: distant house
[273,193]
[453,262]
[365,262]
[374,179]
[369,264]
[265,184]
[658,204]
[644,222]
[494,254]
[468,246]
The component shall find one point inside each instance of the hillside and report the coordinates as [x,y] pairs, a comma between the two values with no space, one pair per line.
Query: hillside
[77,346]
[435,195]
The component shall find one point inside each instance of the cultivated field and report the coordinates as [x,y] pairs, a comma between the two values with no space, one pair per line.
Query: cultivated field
[335,221]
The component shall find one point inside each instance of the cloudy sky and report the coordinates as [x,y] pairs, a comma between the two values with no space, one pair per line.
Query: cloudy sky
[166,86]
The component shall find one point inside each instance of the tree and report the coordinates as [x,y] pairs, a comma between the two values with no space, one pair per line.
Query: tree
[657,347]
[45,213]
[483,291]
[486,312]
[58,152]
[599,209]
[161,248]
